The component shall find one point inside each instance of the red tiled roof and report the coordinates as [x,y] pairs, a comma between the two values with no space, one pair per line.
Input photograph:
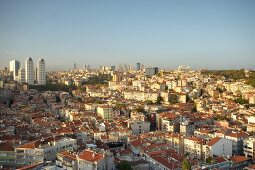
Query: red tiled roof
[220,159]
[238,159]
[91,156]
[30,145]
[251,166]
[237,135]
[166,163]
[7,146]
[30,167]
[67,154]
[213,141]
[169,115]
[136,143]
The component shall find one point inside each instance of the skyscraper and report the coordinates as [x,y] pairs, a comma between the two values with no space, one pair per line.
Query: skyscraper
[150,71]
[14,68]
[138,66]
[41,74]
[29,71]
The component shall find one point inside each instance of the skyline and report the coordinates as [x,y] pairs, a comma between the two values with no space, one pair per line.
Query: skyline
[166,34]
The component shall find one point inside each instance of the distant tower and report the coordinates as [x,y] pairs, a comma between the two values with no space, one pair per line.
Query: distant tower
[41,74]
[88,67]
[138,66]
[14,68]
[150,71]
[74,66]
[29,71]
[112,68]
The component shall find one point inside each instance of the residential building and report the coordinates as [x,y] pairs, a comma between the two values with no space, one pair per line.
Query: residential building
[14,67]
[249,147]
[139,127]
[41,72]
[193,147]
[91,160]
[43,150]
[237,141]
[7,154]
[29,71]
[187,128]
[106,112]
[239,162]
[21,75]
[217,147]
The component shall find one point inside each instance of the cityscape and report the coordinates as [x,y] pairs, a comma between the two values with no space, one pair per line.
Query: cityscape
[137,85]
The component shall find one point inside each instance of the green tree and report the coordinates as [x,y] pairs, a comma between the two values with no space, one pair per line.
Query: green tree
[241,101]
[209,160]
[159,100]
[148,102]
[124,165]
[186,165]
[140,109]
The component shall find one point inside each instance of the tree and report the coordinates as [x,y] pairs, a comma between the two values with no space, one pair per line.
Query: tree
[140,109]
[124,165]
[148,102]
[241,101]
[186,165]
[209,160]
[159,100]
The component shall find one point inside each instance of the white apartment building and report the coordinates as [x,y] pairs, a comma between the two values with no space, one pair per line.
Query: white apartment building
[106,112]
[14,67]
[249,147]
[139,127]
[193,147]
[217,146]
[29,71]
[41,73]
[91,160]
[21,75]
[43,150]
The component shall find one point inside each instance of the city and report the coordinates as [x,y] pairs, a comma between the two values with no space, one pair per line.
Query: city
[127,85]
[136,116]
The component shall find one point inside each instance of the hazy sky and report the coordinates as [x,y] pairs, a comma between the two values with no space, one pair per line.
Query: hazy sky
[218,34]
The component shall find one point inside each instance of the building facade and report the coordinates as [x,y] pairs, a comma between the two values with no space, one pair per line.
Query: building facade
[14,67]
[29,71]
[41,74]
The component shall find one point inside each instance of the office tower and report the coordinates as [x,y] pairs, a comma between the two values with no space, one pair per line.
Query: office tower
[14,67]
[112,68]
[88,67]
[29,71]
[125,67]
[138,66]
[21,75]
[41,74]
[150,71]
[74,66]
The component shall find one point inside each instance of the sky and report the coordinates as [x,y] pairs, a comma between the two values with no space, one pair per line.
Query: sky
[217,34]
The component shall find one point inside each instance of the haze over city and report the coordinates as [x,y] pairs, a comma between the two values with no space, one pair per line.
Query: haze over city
[213,34]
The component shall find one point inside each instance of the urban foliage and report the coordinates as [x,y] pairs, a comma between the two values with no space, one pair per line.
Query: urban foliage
[124,165]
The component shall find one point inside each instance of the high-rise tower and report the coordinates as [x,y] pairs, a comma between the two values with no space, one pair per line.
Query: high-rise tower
[41,74]
[14,68]
[29,71]
[138,66]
